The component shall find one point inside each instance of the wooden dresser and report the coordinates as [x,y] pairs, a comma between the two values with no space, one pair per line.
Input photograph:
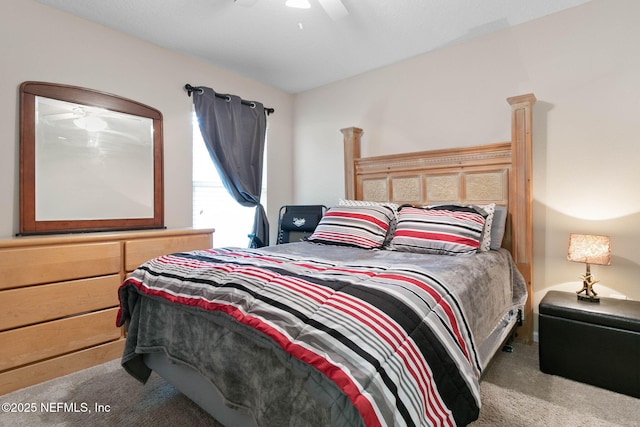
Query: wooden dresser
[58,298]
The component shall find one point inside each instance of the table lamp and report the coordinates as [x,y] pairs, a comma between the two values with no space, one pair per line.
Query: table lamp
[589,249]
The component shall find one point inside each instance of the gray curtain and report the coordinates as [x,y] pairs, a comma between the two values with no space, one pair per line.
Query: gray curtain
[234,134]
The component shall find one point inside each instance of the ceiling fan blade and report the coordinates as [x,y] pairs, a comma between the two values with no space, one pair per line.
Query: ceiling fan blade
[334,8]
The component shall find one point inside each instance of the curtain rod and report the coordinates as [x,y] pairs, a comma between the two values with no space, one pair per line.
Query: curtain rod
[200,90]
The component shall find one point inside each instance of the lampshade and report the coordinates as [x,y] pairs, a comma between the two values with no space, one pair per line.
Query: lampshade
[590,249]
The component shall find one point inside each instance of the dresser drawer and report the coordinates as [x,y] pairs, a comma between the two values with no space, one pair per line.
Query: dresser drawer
[45,340]
[27,375]
[138,251]
[34,304]
[48,264]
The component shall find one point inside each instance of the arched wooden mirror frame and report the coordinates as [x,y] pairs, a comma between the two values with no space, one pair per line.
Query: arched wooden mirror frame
[30,222]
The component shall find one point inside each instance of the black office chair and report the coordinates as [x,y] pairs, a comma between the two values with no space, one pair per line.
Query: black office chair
[296,222]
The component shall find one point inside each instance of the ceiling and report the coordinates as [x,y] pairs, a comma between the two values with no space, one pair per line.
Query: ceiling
[300,49]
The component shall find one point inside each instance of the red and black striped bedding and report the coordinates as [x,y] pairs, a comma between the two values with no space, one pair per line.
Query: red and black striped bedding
[393,338]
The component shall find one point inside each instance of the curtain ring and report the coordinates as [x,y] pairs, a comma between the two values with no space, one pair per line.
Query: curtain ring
[227,98]
[252,105]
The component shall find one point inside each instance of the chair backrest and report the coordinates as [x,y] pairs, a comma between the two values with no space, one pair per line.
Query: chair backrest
[296,222]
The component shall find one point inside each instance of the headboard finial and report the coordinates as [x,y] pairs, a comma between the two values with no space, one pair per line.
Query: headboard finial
[519,99]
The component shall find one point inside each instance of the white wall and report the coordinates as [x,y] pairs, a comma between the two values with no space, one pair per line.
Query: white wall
[583,66]
[43,44]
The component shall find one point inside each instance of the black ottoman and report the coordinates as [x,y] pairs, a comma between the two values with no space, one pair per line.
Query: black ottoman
[594,343]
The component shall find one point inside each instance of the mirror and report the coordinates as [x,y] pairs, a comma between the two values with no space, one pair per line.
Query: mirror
[89,161]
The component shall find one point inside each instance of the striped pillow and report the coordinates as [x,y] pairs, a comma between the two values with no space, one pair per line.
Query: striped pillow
[361,226]
[394,207]
[443,230]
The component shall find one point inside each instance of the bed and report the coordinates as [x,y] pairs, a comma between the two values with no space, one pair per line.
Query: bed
[377,326]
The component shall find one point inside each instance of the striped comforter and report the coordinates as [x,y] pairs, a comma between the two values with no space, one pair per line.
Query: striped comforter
[394,339]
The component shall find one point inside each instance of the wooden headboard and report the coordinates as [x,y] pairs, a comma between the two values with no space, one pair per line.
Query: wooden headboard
[496,173]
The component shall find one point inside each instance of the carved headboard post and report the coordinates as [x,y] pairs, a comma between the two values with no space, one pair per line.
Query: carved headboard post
[521,200]
[351,152]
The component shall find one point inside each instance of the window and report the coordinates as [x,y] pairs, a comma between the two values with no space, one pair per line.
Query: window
[213,206]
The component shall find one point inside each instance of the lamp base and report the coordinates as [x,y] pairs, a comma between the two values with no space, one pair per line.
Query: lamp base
[587,287]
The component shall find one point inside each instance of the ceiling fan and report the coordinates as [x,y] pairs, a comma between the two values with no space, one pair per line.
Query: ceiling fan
[334,8]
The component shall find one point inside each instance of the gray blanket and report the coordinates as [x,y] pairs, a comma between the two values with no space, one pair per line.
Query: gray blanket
[254,373]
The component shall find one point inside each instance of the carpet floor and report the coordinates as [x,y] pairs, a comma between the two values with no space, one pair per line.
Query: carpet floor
[514,393]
